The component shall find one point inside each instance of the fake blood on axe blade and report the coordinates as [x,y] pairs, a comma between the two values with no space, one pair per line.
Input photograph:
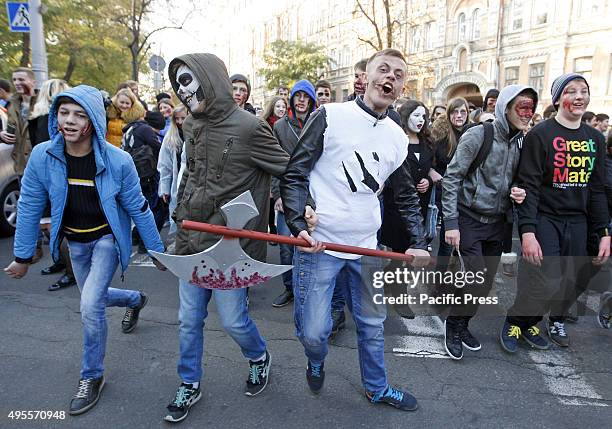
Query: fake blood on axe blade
[275,238]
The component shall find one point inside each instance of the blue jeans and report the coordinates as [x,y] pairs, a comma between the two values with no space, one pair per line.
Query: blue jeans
[234,317]
[338,300]
[314,277]
[286,250]
[94,264]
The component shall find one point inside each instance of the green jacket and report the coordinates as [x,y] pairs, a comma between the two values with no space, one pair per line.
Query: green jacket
[228,151]
[22,147]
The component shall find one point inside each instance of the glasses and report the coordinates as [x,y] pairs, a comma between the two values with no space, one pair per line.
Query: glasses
[459,113]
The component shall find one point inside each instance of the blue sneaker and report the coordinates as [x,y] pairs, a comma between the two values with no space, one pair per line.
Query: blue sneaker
[315,375]
[509,337]
[534,339]
[396,398]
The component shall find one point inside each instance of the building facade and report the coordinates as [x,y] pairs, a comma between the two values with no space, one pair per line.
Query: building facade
[453,47]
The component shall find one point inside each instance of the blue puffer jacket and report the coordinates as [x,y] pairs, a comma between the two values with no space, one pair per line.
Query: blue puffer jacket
[116,181]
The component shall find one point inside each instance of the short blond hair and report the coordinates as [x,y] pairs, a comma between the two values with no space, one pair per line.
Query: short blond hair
[389,52]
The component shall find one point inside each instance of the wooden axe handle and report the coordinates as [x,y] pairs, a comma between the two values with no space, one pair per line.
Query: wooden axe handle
[275,238]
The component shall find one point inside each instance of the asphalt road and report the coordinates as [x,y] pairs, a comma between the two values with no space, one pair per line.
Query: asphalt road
[40,350]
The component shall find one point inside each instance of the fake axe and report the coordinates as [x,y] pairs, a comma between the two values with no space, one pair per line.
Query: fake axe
[225,265]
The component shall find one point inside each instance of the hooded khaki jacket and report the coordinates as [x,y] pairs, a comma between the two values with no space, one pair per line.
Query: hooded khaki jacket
[228,151]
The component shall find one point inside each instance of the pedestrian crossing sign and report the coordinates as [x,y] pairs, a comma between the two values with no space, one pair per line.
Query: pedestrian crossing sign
[18,17]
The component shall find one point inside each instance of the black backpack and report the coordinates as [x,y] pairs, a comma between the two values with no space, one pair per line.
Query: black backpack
[484,150]
[142,154]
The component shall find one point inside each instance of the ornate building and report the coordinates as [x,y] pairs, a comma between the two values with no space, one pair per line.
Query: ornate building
[453,47]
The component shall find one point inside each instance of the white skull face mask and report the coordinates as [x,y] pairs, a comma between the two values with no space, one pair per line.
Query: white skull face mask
[417,120]
[190,91]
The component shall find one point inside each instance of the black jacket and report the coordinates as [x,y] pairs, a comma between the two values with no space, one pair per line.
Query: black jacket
[393,231]
[287,131]
[294,183]
[38,129]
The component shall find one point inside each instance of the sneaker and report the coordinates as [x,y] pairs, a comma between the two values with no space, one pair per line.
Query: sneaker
[509,337]
[468,340]
[338,321]
[258,376]
[604,315]
[87,395]
[128,324]
[452,341]
[508,270]
[534,339]
[185,397]
[396,398]
[557,333]
[315,375]
[283,299]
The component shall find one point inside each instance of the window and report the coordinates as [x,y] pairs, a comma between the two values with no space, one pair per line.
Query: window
[410,89]
[476,23]
[536,77]
[584,66]
[461,27]
[462,60]
[588,8]
[610,76]
[429,35]
[415,39]
[516,15]
[540,12]
[511,75]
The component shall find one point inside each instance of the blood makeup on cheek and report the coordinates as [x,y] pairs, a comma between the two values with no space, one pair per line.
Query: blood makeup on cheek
[524,108]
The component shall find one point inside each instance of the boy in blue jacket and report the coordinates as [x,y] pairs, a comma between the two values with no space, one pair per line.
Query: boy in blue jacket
[94,192]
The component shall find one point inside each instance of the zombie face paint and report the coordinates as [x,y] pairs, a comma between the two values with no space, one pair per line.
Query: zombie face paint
[190,91]
[385,81]
[520,112]
[416,120]
[458,116]
[574,99]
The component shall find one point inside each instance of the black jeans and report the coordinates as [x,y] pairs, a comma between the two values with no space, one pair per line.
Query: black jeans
[481,248]
[563,243]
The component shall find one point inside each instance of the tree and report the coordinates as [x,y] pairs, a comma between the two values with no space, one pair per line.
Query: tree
[383,30]
[133,15]
[287,62]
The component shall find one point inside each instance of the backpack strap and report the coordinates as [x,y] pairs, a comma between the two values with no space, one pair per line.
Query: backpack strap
[484,150]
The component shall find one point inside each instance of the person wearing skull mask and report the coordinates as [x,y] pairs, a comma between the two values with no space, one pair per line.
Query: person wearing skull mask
[227,151]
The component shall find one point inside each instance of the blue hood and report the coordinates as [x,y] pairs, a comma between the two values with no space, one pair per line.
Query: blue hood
[307,87]
[90,99]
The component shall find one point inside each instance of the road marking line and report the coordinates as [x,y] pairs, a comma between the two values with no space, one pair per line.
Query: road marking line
[424,338]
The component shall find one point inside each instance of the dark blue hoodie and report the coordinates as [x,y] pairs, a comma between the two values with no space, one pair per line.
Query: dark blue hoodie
[303,85]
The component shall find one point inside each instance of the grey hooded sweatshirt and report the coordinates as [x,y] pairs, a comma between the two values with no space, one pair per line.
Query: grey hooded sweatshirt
[485,194]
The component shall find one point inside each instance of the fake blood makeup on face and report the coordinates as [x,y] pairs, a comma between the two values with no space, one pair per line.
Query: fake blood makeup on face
[524,109]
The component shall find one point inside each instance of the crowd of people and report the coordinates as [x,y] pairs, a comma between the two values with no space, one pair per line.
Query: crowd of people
[375,171]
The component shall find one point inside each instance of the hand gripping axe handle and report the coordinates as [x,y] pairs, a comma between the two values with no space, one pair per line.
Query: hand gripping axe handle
[275,238]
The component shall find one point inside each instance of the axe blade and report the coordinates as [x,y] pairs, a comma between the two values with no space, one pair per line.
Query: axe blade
[225,265]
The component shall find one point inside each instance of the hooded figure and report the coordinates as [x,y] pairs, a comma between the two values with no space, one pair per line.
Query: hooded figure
[491,94]
[228,151]
[490,181]
[116,182]
[242,78]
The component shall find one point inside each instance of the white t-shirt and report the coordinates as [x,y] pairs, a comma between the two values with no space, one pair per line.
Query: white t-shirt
[359,154]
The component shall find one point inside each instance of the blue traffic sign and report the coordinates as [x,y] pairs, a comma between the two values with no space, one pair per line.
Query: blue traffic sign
[18,17]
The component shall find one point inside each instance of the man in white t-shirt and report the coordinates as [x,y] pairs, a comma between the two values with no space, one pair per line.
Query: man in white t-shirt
[345,154]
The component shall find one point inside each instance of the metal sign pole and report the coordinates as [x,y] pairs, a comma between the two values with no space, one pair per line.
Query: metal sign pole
[37,39]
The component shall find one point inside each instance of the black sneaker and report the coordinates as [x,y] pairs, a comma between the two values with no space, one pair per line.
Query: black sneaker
[258,376]
[534,339]
[509,337]
[338,321]
[508,270]
[283,299]
[128,324]
[315,375]
[557,333]
[396,398]
[185,397]
[467,339]
[604,315]
[452,341]
[87,395]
